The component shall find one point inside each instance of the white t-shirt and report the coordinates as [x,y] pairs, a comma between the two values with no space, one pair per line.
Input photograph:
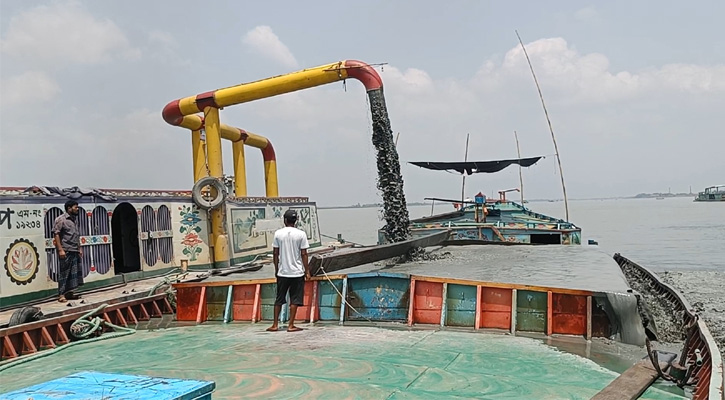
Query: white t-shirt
[290,241]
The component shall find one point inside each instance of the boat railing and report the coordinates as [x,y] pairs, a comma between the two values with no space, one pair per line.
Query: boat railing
[710,374]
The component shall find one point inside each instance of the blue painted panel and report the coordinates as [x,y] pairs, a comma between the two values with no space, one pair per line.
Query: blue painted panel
[461,305]
[330,300]
[97,385]
[378,298]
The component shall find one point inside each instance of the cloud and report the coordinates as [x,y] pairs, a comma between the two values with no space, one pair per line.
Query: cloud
[264,41]
[562,70]
[28,88]
[64,34]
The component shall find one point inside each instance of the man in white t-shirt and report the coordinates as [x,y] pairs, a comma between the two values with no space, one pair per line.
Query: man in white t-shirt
[291,268]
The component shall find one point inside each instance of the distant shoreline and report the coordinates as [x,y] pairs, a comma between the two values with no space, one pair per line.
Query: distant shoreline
[428,203]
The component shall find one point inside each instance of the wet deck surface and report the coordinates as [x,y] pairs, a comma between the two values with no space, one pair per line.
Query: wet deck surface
[333,362]
[570,267]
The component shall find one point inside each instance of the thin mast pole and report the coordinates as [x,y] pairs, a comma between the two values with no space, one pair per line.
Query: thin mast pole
[548,121]
[521,174]
[463,184]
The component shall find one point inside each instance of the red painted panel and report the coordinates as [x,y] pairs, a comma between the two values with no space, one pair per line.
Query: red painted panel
[187,303]
[495,308]
[428,302]
[303,312]
[569,314]
[243,302]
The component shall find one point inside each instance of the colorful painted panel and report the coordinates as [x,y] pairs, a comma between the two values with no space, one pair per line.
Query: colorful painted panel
[461,305]
[245,236]
[496,308]
[189,230]
[304,312]
[531,311]
[187,303]
[101,252]
[330,300]
[266,302]
[216,300]
[21,261]
[378,298]
[307,221]
[569,314]
[428,302]
[243,302]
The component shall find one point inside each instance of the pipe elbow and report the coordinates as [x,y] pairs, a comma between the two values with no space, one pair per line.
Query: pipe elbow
[363,72]
[172,113]
[268,152]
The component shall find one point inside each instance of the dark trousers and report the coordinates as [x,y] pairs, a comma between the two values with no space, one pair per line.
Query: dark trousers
[70,275]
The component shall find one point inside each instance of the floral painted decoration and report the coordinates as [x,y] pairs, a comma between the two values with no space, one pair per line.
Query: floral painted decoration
[190,229]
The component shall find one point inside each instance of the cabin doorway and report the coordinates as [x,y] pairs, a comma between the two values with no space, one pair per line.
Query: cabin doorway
[124,235]
[546,238]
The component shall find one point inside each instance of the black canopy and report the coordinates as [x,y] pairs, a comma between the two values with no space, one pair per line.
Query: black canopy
[473,167]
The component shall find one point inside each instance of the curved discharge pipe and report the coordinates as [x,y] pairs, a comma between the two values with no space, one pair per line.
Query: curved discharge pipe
[181,112]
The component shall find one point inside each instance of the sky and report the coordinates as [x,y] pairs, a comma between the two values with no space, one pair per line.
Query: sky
[635,92]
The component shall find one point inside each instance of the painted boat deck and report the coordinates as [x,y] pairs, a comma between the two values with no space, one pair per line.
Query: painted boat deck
[334,362]
[97,385]
[568,267]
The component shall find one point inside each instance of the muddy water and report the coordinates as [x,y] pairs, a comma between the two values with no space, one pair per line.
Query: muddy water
[390,181]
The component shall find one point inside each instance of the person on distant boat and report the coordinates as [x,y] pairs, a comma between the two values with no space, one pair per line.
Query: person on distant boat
[291,269]
[67,241]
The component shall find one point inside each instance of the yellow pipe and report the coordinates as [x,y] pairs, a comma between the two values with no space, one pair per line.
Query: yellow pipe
[240,169]
[219,238]
[179,113]
[198,155]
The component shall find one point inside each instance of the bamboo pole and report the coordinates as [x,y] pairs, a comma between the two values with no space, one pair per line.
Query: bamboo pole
[548,121]
[521,174]
[463,184]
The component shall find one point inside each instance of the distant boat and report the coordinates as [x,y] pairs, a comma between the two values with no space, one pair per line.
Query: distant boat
[660,198]
[712,193]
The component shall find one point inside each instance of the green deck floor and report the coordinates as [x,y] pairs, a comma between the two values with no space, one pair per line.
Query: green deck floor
[334,362]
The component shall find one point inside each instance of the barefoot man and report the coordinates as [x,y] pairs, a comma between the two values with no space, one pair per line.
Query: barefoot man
[291,268]
[67,241]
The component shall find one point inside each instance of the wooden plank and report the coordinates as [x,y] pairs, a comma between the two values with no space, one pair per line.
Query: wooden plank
[549,313]
[8,348]
[347,258]
[60,336]
[444,305]
[589,318]
[343,301]
[200,313]
[46,341]
[478,307]
[257,300]
[28,345]
[412,302]
[313,306]
[632,383]
[228,305]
